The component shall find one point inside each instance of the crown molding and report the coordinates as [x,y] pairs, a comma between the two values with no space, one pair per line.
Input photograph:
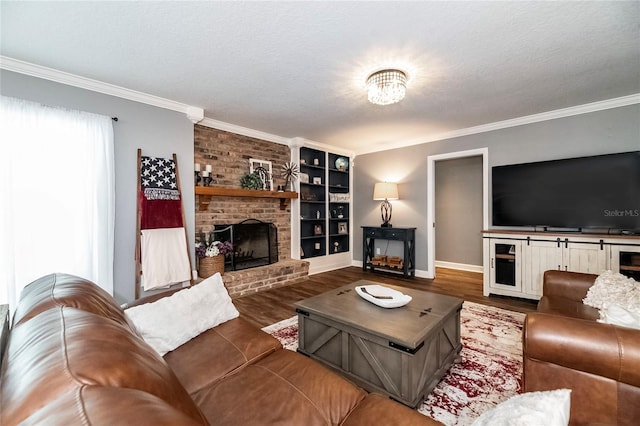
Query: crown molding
[193,113]
[514,122]
[299,142]
[293,143]
[244,131]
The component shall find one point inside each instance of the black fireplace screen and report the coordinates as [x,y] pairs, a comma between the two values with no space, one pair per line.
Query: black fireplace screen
[255,243]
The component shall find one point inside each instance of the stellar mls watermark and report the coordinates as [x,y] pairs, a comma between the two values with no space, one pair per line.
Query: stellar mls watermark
[621,213]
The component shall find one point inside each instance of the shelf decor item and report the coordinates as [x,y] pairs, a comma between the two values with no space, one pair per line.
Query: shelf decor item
[339,197]
[251,181]
[264,170]
[342,164]
[289,173]
[342,228]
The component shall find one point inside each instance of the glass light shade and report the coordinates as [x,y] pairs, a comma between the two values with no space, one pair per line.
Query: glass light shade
[385,191]
[386,87]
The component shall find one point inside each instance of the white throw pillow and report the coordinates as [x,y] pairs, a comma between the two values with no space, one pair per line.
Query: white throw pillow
[172,321]
[549,408]
[614,288]
[617,315]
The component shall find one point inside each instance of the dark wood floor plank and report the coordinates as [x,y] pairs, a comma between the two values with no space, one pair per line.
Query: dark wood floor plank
[270,306]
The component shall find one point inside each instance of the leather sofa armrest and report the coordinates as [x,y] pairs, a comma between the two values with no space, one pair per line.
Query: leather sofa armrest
[592,347]
[568,285]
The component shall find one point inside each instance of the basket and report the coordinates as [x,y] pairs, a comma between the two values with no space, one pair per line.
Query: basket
[210,265]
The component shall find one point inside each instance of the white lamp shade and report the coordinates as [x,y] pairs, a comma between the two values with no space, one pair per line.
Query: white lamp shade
[385,191]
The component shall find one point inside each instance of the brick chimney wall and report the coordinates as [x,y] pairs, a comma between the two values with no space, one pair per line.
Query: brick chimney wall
[229,154]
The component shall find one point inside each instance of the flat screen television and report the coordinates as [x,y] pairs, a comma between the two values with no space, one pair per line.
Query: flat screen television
[578,194]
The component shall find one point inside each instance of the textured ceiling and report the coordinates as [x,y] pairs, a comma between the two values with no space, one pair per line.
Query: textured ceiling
[297,69]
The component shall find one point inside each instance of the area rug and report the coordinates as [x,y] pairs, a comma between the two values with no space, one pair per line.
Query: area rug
[490,371]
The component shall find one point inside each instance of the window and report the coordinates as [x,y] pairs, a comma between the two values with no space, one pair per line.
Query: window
[56,195]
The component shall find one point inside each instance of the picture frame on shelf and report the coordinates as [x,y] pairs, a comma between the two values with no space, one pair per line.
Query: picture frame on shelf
[339,197]
[317,181]
[317,230]
[307,196]
[304,178]
[264,169]
[343,228]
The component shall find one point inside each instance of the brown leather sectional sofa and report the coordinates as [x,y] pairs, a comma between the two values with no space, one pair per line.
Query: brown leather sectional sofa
[564,347]
[74,358]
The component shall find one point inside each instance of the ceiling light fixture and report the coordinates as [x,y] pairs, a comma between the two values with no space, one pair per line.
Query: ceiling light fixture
[386,87]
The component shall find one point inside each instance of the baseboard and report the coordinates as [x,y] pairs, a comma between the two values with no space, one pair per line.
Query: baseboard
[459,266]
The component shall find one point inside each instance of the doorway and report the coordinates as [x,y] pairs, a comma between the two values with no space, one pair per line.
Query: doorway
[431,199]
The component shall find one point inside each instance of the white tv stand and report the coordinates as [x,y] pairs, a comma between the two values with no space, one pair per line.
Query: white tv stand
[515,261]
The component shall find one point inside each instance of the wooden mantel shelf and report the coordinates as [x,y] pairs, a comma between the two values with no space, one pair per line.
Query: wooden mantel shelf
[209,191]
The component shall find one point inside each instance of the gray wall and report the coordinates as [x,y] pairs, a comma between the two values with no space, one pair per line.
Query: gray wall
[158,132]
[458,212]
[602,132]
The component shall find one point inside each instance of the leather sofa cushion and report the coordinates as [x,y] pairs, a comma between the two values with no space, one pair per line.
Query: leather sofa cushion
[66,290]
[567,308]
[283,388]
[379,410]
[219,351]
[65,349]
[96,405]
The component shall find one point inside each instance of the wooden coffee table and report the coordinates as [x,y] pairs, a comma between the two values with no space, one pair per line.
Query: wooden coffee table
[401,352]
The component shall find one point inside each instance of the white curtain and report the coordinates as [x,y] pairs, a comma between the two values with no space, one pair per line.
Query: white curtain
[57,198]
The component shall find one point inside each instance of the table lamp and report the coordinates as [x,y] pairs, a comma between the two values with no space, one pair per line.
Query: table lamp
[385,191]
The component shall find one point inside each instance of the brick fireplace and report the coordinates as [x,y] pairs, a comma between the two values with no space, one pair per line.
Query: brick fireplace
[229,155]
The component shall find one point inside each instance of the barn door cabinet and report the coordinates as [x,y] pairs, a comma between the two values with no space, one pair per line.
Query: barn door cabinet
[514,263]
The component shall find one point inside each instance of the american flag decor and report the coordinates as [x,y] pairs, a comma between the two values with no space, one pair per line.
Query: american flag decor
[158,179]
[159,195]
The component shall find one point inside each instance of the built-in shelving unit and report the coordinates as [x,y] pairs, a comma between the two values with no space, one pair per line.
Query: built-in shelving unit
[313,206]
[339,203]
[325,203]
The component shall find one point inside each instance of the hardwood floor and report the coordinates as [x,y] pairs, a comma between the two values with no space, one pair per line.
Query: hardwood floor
[270,306]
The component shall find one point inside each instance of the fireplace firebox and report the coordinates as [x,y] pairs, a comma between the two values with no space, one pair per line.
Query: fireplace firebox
[255,243]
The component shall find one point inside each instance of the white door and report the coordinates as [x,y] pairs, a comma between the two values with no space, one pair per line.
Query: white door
[540,256]
[587,258]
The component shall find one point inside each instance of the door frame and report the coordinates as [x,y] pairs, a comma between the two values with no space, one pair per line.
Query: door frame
[431,188]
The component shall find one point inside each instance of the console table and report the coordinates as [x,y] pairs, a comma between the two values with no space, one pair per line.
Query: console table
[406,235]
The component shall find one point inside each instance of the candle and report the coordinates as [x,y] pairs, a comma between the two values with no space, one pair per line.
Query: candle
[205,174]
[197,167]
[208,168]
[316,161]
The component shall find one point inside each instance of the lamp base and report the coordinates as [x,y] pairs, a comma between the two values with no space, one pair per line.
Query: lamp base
[385,212]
